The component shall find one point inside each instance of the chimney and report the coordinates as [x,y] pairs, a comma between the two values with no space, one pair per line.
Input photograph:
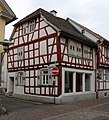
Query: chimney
[54,13]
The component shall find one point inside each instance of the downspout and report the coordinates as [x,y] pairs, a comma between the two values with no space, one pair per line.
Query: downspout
[96,73]
[97,61]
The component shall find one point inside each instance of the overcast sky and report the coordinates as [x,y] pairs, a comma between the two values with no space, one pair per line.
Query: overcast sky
[93,14]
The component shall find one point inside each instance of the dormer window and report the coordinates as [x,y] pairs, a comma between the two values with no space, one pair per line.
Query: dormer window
[31,26]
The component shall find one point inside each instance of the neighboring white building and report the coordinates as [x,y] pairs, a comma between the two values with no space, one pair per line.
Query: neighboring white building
[43,41]
[102,58]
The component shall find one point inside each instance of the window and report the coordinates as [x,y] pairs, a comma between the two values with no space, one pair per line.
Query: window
[20,53]
[79,86]
[68,82]
[31,26]
[87,82]
[44,77]
[85,51]
[79,50]
[100,74]
[72,47]
[25,29]
[107,74]
[20,78]
[108,53]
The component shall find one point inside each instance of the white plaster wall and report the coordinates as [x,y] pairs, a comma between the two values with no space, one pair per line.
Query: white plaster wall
[19,90]
[43,49]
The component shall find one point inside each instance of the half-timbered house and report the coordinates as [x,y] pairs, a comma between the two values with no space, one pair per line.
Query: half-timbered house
[43,41]
[102,56]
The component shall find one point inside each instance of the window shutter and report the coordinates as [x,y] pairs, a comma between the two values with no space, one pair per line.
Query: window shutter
[101,73]
[50,77]
[24,76]
[38,77]
[16,78]
[107,74]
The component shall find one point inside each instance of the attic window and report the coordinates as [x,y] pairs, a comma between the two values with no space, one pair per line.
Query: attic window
[25,30]
[31,26]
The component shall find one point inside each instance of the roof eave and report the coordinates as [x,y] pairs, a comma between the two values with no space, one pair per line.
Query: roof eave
[9,18]
[6,7]
[79,39]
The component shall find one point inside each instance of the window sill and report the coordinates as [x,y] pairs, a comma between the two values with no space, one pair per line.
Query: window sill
[44,85]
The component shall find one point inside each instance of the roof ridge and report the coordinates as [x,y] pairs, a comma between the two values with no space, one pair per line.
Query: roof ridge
[60,23]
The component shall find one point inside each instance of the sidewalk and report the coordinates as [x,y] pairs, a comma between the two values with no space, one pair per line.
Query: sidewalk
[83,110]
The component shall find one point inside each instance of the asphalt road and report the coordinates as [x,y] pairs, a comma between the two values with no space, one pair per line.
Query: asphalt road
[82,110]
[14,104]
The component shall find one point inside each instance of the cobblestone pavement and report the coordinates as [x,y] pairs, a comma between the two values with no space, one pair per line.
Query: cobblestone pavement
[82,110]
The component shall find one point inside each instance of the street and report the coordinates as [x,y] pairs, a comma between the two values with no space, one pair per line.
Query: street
[82,110]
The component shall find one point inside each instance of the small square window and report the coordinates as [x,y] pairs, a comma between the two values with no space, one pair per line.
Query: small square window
[70,47]
[77,48]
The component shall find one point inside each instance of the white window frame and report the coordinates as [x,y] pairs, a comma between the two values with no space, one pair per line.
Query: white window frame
[31,26]
[25,29]
[20,78]
[20,53]
[44,77]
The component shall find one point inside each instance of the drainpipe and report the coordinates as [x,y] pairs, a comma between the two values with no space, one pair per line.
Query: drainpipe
[99,42]
[95,69]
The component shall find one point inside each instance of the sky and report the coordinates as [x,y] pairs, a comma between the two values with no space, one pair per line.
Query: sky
[93,14]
